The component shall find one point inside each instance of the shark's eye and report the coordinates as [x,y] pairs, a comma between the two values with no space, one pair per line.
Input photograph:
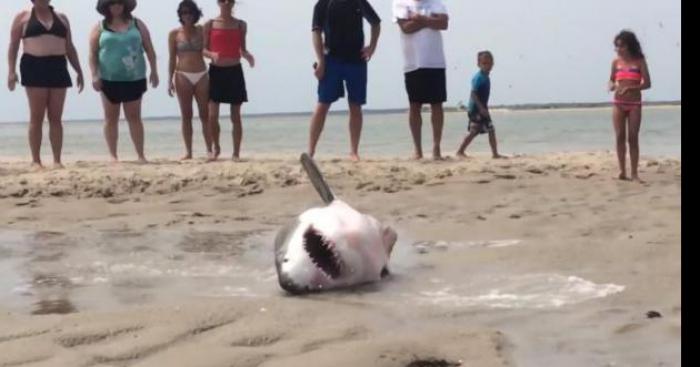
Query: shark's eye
[320,251]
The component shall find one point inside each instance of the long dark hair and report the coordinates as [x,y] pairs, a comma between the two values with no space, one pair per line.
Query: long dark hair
[192,7]
[629,39]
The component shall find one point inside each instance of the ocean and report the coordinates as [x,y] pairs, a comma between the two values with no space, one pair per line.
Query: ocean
[383,135]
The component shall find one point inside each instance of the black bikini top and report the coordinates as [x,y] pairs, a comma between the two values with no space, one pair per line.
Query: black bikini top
[35,28]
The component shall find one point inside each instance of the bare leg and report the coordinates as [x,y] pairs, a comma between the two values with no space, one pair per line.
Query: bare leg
[635,122]
[619,118]
[355,130]
[132,112]
[317,121]
[57,99]
[467,140]
[185,92]
[214,129]
[111,128]
[201,94]
[415,122]
[438,119]
[237,131]
[38,102]
[494,145]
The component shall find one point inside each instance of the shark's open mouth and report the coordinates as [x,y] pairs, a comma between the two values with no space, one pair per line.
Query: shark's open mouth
[321,252]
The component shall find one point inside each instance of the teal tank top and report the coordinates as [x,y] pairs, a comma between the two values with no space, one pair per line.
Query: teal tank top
[121,54]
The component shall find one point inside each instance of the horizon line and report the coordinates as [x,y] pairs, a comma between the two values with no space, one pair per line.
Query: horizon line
[382,111]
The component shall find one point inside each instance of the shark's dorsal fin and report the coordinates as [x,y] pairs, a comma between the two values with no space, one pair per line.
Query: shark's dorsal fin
[317,178]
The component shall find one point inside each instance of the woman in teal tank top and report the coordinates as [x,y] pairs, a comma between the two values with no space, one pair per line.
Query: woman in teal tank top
[117,46]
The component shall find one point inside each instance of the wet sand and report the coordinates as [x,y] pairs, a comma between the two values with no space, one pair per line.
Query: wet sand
[531,261]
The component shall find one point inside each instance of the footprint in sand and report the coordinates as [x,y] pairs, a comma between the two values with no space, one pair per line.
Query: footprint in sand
[628,328]
[505,176]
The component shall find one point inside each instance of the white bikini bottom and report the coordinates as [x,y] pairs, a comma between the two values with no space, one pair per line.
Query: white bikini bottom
[194,78]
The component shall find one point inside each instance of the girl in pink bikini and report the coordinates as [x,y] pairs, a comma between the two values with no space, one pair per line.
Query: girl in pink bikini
[629,75]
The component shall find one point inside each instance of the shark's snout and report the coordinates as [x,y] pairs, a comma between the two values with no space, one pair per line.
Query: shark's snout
[288,284]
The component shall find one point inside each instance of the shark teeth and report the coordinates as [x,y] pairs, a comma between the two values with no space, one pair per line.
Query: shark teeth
[322,253]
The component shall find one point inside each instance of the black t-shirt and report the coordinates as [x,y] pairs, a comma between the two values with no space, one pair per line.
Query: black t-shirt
[341,23]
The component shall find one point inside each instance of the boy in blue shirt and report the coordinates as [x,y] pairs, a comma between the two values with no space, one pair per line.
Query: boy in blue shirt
[479,116]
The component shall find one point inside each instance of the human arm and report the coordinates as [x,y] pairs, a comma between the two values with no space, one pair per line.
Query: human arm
[371,16]
[150,52]
[93,58]
[72,55]
[13,50]
[483,110]
[244,49]
[611,81]
[213,56]
[172,51]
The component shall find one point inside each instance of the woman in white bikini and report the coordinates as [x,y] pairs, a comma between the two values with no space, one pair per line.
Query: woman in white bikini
[188,73]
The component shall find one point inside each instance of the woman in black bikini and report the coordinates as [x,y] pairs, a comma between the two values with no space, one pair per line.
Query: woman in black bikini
[46,41]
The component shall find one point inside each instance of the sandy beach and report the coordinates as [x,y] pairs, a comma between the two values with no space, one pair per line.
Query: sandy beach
[537,260]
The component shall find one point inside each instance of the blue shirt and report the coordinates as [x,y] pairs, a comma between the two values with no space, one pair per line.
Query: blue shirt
[481,85]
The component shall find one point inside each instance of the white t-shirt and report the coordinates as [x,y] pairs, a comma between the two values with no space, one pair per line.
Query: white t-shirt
[422,49]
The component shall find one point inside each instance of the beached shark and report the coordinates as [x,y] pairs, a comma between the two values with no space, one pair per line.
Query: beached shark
[331,247]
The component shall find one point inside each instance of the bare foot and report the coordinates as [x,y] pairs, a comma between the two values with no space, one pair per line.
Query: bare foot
[498,156]
[236,158]
[637,179]
[461,155]
[622,177]
[58,165]
[186,157]
[142,160]
[217,152]
[36,166]
[417,156]
[437,155]
[354,157]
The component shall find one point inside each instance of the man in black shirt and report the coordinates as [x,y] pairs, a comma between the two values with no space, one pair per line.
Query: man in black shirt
[342,57]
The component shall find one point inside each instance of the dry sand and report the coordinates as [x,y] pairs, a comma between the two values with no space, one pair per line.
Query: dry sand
[531,261]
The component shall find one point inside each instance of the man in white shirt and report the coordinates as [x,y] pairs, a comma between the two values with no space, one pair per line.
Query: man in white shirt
[421,22]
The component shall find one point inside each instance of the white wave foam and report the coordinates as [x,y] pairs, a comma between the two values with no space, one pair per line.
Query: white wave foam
[525,291]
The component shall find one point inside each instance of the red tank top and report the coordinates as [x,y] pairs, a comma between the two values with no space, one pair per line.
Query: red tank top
[226,42]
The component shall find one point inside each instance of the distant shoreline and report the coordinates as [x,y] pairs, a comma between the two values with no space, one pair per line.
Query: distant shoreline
[514,107]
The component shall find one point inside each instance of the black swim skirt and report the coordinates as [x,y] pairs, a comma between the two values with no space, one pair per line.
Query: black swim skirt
[44,71]
[121,92]
[227,85]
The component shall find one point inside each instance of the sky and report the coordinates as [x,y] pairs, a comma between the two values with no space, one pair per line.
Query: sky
[546,51]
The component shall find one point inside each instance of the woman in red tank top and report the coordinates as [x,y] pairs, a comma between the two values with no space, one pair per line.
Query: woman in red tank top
[225,46]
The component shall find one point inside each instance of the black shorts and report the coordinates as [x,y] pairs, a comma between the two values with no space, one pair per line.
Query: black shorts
[121,92]
[426,86]
[480,123]
[44,71]
[227,85]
